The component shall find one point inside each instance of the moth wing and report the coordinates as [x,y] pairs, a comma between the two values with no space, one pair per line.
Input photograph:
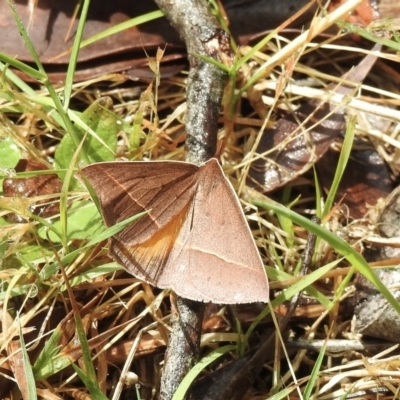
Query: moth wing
[150,260]
[215,257]
[125,189]
[165,190]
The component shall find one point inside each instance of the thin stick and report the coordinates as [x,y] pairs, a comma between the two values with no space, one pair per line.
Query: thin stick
[203,36]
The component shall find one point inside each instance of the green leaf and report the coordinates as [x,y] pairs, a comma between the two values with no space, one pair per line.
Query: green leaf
[44,365]
[342,163]
[100,142]
[10,154]
[93,388]
[26,254]
[51,269]
[84,222]
[20,290]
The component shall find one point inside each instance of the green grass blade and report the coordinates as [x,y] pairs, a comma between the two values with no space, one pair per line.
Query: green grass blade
[28,42]
[283,394]
[16,80]
[343,159]
[69,80]
[343,248]
[90,371]
[122,26]
[92,274]
[195,371]
[44,362]
[314,374]
[46,82]
[367,34]
[318,195]
[94,389]
[34,73]
[288,293]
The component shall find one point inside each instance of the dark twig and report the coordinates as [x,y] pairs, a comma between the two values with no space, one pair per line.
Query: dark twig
[199,29]
[183,346]
[203,36]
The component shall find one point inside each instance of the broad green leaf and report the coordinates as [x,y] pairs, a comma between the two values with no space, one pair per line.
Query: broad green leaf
[100,142]
[51,269]
[27,254]
[10,154]
[84,222]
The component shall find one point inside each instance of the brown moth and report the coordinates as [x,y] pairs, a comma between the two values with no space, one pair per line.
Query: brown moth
[194,238]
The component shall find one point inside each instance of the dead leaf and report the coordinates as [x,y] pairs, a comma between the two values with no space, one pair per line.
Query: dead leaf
[38,185]
[366,178]
[301,138]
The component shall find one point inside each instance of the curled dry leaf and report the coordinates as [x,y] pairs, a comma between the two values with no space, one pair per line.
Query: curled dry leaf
[53,23]
[300,139]
[38,185]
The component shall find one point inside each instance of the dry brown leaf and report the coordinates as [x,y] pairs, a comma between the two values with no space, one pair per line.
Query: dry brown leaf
[301,138]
